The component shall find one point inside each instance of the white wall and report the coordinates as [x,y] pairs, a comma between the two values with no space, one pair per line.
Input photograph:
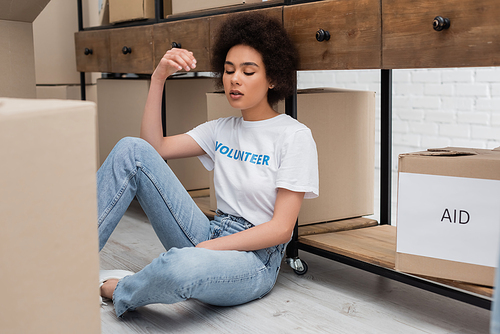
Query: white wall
[431,107]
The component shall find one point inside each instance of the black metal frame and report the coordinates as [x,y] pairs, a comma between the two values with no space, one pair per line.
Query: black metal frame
[385,146]
[292,250]
[385,170]
[415,281]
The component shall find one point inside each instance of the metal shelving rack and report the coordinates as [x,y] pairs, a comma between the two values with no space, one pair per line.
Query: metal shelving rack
[385,169]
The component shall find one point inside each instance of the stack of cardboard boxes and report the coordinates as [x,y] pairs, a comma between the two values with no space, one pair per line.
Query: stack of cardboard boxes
[48,203]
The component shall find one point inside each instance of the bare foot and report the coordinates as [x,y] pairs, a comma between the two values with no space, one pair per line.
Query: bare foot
[108,288]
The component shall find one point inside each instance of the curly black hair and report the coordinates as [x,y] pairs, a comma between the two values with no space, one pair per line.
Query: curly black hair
[270,39]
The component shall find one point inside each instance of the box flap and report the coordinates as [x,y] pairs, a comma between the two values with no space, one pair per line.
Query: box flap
[496,148]
[14,107]
[21,10]
[453,161]
[447,151]
[328,90]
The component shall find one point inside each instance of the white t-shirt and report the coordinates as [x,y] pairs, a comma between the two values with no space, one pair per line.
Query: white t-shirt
[251,160]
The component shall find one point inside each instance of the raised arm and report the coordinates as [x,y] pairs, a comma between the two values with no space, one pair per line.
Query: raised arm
[274,232]
[179,146]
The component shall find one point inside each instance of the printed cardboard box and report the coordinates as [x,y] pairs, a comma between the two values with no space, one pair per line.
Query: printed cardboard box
[343,126]
[448,223]
[48,211]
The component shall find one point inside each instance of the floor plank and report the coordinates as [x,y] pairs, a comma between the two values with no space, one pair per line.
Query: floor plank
[375,245]
[330,298]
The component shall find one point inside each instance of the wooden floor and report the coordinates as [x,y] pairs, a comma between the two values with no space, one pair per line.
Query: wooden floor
[330,298]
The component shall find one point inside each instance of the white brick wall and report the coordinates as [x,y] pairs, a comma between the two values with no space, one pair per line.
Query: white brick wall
[431,107]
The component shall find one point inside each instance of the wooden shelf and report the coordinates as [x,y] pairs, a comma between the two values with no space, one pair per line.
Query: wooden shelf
[336,226]
[376,245]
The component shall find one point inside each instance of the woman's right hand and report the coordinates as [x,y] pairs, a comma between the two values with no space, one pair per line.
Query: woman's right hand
[172,61]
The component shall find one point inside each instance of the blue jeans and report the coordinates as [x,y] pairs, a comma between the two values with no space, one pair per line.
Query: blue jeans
[222,278]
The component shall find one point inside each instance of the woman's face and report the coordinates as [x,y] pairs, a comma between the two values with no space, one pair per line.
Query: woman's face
[245,81]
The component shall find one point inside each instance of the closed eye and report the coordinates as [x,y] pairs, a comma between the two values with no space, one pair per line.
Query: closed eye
[229,72]
[249,73]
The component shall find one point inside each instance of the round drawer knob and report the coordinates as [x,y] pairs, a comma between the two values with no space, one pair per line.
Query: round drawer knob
[126,50]
[440,23]
[88,51]
[322,35]
[176,45]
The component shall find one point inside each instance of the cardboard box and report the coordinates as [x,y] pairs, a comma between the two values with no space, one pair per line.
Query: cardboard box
[121,104]
[186,107]
[66,92]
[54,43]
[103,11]
[448,222]
[22,11]
[49,243]
[343,125]
[132,10]
[182,6]
[218,106]
[17,60]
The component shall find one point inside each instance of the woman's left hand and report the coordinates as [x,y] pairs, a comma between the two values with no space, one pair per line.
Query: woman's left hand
[205,244]
[274,232]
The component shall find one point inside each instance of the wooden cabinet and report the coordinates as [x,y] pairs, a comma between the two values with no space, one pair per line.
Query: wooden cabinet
[192,35]
[334,34]
[337,34]
[131,50]
[92,51]
[409,40]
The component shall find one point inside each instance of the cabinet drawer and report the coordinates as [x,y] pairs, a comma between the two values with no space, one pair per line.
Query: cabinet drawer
[215,21]
[410,41]
[192,35]
[131,50]
[354,33]
[92,51]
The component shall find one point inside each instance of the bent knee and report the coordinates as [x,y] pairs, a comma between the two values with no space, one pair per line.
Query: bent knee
[132,146]
[131,142]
